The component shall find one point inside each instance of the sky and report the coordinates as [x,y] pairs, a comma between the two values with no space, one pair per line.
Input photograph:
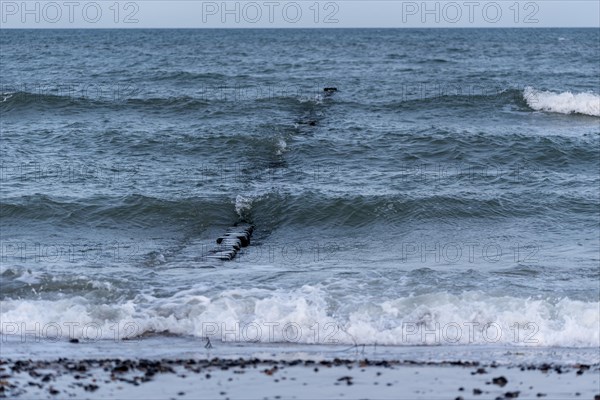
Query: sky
[298,14]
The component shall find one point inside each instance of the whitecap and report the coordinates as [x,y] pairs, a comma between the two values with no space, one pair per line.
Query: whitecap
[563,103]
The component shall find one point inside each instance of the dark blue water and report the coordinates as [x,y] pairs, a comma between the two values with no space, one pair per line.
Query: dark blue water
[452,179]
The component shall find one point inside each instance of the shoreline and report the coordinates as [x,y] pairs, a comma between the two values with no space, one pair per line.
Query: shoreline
[256,378]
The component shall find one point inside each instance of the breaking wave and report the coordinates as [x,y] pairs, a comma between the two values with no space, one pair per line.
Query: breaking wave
[563,103]
[310,315]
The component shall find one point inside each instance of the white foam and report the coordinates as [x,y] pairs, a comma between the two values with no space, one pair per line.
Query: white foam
[243,204]
[309,315]
[281,147]
[564,103]
[30,277]
[316,99]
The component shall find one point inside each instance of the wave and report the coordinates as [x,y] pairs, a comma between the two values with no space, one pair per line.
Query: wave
[20,99]
[563,103]
[277,209]
[309,315]
[420,96]
[450,97]
[188,76]
[310,208]
[218,97]
[27,100]
[137,210]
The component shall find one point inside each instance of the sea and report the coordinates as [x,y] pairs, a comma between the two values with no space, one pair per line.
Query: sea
[444,198]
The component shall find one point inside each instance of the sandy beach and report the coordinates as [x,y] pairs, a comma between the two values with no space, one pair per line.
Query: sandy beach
[183,368]
[297,379]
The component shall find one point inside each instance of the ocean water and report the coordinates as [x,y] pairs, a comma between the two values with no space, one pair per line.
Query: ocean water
[446,195]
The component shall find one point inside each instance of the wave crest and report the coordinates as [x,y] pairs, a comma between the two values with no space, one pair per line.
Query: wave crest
[563,103]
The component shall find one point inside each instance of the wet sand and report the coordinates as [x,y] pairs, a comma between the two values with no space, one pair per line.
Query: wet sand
[254,378]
